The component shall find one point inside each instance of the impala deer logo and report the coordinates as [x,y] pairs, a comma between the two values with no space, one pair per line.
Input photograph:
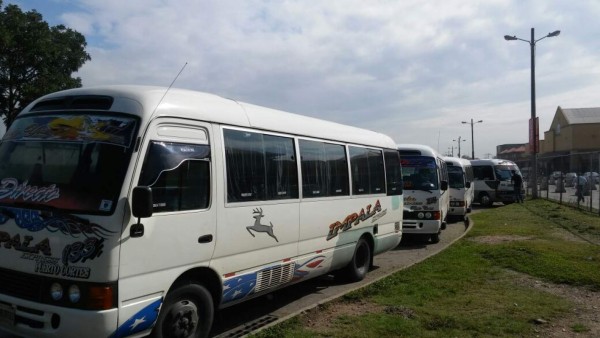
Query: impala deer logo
[260,227]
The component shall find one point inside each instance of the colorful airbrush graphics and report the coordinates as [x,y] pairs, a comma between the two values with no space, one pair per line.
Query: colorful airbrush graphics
[85,128]
[40,251]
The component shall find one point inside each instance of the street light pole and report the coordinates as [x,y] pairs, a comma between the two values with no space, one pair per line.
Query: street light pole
[459,139]
[472,137]
[534,127]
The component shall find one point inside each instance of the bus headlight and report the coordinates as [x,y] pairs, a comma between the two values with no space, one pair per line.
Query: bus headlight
[74,294]
[56,291]
[420,215]
[428,215]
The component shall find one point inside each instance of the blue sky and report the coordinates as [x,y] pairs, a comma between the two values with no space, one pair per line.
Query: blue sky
[411,69]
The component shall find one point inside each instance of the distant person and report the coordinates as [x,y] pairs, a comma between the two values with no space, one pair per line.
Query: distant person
[517,185]
[581,182]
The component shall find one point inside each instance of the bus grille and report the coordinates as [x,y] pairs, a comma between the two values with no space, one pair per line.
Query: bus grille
[21,285]
[274,277]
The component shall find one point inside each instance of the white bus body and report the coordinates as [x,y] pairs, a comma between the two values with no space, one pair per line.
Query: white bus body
[460,184]
[126,210]
[493,183]
[426,196]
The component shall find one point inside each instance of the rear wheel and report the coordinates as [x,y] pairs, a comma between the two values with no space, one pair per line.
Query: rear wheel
[485,200]
[187,312]
[360,264]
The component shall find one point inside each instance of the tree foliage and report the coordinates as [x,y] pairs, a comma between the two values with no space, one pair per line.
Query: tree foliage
[35,59]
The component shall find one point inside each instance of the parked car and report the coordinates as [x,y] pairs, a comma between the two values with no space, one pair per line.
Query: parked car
[570,179]
[554,176]
[594,176]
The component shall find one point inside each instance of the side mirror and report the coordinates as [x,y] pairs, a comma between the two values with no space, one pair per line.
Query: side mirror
[468,185]
[141,202]
[141,207]
[444,185]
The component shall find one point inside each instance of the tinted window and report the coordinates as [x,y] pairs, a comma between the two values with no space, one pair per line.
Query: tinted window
[179,175]
[484,172]
[259,167]
[324,169]
[368,176]
[282,172]
[393,171]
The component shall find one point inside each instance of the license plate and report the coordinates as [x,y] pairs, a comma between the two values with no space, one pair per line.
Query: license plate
[7,315]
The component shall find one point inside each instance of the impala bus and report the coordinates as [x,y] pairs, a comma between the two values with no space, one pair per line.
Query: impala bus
[426,196]
[131,210]
[493,181]
[460,183]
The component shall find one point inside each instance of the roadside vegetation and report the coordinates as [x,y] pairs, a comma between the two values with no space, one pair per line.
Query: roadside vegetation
[519,272]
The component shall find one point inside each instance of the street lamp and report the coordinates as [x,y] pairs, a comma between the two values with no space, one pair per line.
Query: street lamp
[534,127]
[459,139]
[472,138]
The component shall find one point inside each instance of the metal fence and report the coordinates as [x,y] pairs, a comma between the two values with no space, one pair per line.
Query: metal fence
[557,179]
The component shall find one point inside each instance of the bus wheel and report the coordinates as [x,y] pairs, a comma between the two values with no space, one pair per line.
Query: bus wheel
[360,264]
[187,312]
[486,201]
[435,238]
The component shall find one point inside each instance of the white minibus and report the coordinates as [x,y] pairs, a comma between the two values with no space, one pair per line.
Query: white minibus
[460,184]
[493,181]
[426,196]
[132,210]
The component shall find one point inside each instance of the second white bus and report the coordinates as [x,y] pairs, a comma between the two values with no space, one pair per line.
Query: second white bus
[426,196]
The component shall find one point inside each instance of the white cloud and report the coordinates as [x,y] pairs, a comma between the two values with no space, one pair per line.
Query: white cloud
[411,69]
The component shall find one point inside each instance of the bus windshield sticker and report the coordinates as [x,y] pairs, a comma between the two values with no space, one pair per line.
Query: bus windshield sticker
[82,128]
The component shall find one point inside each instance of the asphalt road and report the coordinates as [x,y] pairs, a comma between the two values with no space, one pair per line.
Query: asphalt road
[270,309]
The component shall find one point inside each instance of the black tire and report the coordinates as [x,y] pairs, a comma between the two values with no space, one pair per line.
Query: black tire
[187,312]
[360,264]
[485,200]
[435,238]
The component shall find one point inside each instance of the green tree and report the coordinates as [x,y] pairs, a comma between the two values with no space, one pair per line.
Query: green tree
[35,59]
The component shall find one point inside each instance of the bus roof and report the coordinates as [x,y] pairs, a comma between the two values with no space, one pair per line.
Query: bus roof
[417,149]
[492,161]
[149,102]
[456,161]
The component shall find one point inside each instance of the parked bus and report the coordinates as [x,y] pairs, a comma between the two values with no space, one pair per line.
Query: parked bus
[426,196]
[493,181]
[130,210]
[460,178]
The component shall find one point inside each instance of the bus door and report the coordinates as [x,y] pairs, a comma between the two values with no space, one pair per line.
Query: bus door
[176,163]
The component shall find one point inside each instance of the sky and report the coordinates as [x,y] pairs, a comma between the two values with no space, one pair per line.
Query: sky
[411,69]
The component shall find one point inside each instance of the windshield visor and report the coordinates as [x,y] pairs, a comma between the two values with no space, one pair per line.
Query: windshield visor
[419,173]
[72,162]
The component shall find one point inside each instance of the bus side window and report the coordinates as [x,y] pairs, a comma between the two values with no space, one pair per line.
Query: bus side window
[393,171]
[368,175]
[259,166]
[179,175]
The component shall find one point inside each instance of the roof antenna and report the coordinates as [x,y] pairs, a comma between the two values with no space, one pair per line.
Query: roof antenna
[169,88]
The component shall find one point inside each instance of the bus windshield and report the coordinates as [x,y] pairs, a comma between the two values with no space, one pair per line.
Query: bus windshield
[456,177]
[75,163]
[504,172]
[419,173]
